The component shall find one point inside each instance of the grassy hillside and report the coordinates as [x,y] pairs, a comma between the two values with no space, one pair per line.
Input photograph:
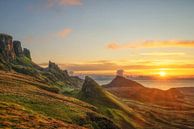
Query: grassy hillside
[27,97]
[160,109]
[109,105]
[27,102]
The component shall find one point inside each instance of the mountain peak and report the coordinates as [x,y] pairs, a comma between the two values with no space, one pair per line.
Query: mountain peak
[120,81]
[90,88]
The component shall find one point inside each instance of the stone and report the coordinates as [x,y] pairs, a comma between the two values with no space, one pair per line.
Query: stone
[18,48]
[6,47]
[26,53]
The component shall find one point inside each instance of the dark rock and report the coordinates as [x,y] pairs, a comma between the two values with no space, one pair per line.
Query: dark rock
[89,87]
[56,74]
[129,89]
[101,122]
[17,48]
[6,47]
[53,66]
[26,53]
[120,81]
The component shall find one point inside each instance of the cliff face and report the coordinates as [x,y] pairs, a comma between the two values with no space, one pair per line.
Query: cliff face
[14,58]
[18,48]
[26,53]
[9,49]
[56,74]
[6,47]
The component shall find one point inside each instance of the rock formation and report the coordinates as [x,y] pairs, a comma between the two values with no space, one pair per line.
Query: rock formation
[26,53]
[18,48]
[6,47]
[56,74]
[90,88]
[12,57]
[9,49]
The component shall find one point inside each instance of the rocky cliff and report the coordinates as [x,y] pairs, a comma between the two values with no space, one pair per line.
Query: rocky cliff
[18,48]
[26,53]
[14,58]
[57,75]
[6,47]
[10,49]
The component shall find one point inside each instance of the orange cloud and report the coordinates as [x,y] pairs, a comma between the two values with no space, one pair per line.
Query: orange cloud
[51,3]
[136,68]
[152,44]
[164,54]
[64,33]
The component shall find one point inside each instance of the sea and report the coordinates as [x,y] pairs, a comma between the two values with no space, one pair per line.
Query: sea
[160,84]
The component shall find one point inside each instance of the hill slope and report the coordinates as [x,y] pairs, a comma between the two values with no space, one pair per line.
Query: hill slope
[24,97]
[110,106]
[129,89]
[14,58]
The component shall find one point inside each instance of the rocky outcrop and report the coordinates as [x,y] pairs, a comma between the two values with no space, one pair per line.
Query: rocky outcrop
[6,47]
[13,57]
[9,49]
[90,88]
[53,66]
[26,53]
[55,74]
[18,48]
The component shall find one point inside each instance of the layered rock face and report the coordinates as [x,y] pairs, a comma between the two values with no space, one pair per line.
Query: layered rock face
[56,75]
[9,49]
[26,53]
[18,48]
[90,88]
[6,47]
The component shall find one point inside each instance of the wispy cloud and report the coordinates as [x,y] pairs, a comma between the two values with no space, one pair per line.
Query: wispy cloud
[151,44]
[163,54]
[64,33]
[47,37]
[51,3]
[108,65]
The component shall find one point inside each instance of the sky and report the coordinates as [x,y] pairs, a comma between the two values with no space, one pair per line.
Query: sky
[141,37]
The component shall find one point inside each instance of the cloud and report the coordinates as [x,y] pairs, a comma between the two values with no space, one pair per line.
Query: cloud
[152,44]
[47,37]
[108,65]
[102,66]
[64,33]
[164,54]
[51,3]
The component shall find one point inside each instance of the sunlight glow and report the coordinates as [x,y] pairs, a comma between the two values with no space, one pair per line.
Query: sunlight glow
[162,74]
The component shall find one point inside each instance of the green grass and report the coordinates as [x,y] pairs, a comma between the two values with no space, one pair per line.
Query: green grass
[110,106]
[16,116]
[28,92]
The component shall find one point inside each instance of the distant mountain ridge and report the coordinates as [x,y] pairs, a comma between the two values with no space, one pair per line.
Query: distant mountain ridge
[14,58]
[120,81]
[125,88]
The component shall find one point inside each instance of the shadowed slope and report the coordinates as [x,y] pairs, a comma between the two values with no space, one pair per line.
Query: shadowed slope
[42,106]
[129,89]
[109,105]
[120,81]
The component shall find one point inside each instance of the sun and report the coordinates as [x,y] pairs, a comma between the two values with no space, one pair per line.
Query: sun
[162,74]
